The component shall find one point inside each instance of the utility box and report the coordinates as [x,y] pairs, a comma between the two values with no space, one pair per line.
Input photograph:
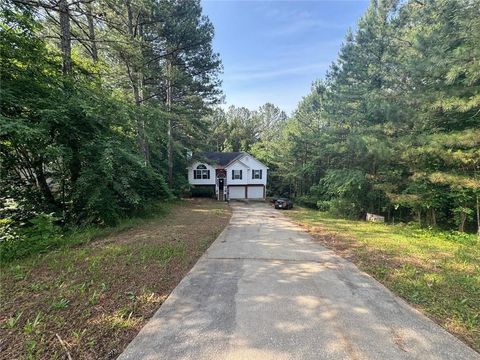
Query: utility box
[375,218]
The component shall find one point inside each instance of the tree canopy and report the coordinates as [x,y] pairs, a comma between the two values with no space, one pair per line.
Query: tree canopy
[398,116]
[99,102]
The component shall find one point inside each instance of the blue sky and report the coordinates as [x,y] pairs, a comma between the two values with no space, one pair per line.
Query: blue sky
[273,50]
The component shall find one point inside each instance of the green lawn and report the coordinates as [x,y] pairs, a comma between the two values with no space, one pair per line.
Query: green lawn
[438,272]
[93,291]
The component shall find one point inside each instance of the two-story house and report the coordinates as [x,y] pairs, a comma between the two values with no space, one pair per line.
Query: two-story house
[234,175]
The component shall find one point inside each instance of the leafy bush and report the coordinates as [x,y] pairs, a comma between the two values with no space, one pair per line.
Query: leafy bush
[341,207]
[307,201]
[114,184]
[346,192]
[80,156]
[203,191]
[323,205]
[460,237]
[40,235]
[8,232]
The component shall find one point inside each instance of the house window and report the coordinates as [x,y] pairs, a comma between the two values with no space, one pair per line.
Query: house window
[201,172]
[237,174]
[256,174]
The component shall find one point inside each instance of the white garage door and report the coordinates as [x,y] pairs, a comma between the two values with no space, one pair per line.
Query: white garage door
[236,192]
[255,192]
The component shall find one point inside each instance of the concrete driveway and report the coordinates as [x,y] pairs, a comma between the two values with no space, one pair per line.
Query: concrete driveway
[265,290]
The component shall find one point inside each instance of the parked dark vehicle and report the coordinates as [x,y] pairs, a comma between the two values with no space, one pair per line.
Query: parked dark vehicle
[283,203]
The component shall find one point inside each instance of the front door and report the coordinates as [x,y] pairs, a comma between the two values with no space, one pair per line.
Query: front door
[221,192]
[221,174]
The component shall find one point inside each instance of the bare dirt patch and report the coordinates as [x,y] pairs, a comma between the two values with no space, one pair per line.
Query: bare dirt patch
[90,301]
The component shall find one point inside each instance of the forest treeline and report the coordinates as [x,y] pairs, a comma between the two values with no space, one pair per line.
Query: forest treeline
[99,100]
[393,129]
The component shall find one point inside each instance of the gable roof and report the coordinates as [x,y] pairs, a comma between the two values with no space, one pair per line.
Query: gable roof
[219,158]
[222,159]
[240,160]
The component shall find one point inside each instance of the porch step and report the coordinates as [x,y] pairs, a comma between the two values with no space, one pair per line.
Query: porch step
[221,195]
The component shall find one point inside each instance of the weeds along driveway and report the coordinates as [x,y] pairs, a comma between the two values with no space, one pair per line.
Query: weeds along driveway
[97,296]
[265,290]
[437,272]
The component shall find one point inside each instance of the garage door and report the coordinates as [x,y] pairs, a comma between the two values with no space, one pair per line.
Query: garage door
[255,192]
[236,192]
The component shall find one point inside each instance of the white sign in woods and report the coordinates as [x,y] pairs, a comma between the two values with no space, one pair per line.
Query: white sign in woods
[375,218]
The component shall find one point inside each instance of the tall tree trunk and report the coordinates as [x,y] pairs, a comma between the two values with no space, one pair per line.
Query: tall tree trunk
[140,122]
[91,32]
[137,87]
[463,218]
[478,202]
[169,125]
[65,36]
[42,183]
[478,216]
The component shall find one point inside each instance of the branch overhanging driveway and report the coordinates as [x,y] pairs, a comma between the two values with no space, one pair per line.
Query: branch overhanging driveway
[266,290]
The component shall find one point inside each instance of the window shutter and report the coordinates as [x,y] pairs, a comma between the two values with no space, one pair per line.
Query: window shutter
[208,174]
[233,174]
[261,173]
[253,174]
[240,174]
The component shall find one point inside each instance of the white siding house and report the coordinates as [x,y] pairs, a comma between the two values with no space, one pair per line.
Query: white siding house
[235,175]
[198,175]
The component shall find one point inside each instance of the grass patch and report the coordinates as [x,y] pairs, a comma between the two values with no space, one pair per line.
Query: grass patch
[100,286]
[437,271]
[43,236]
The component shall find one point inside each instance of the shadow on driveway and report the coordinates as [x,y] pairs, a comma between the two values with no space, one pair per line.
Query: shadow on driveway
[265,290]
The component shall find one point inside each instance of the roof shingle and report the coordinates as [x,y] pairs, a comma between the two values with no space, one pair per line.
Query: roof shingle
[218,158]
